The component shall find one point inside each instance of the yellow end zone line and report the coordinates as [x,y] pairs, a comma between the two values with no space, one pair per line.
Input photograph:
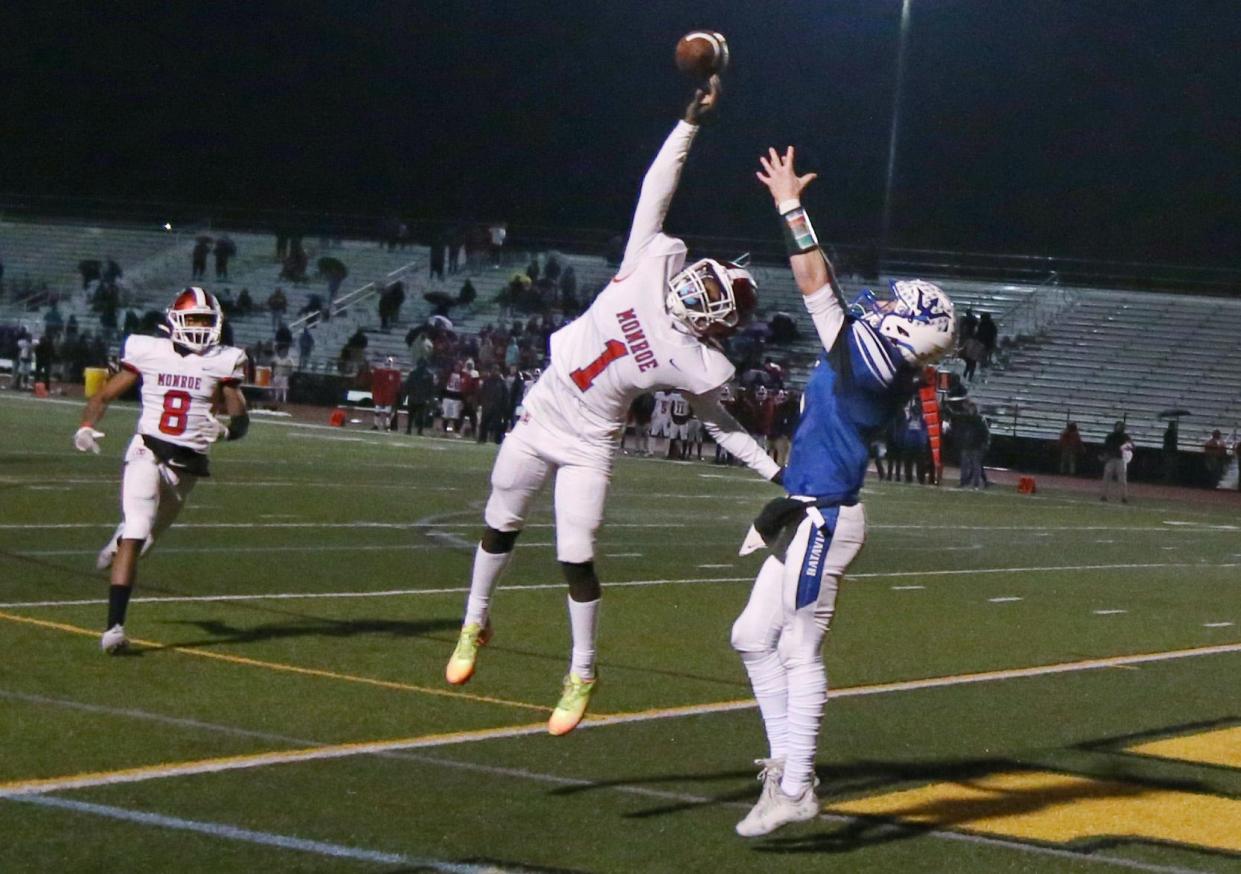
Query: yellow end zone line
[280,666]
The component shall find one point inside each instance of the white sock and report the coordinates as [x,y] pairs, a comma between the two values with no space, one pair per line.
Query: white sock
[771,690]
[583,621]
[488,566]
[807,699]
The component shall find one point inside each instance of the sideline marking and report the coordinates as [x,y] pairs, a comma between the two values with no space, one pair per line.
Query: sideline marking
[280,666]
[249,836]
[618,584]
[1005,599]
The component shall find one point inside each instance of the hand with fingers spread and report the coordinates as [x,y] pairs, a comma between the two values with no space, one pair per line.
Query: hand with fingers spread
[704,102]
[780,177]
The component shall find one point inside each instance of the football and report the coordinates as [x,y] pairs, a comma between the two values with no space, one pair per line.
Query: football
[702,53]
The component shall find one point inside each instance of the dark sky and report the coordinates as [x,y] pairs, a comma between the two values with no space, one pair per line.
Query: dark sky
[1071,127]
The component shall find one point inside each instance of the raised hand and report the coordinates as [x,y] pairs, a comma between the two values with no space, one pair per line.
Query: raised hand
[704,102]
[780,177]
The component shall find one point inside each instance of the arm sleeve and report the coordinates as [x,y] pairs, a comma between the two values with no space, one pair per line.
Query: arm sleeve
[828,314]
[658,187]
[726,431]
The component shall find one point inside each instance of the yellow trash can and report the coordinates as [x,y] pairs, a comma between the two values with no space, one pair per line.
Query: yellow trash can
[95,378]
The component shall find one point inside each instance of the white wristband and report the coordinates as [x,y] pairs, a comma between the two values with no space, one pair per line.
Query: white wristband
[788,205]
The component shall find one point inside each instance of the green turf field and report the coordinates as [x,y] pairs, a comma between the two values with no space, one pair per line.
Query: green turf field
[1019,683]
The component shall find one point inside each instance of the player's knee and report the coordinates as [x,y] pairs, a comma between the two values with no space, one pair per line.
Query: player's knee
[498,542]
[749,638]
[582,580]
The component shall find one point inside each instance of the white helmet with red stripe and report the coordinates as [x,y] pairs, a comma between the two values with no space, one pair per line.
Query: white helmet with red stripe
[712,298]
[195,319]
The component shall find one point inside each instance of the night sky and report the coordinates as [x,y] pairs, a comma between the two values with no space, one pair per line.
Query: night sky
[1068,127]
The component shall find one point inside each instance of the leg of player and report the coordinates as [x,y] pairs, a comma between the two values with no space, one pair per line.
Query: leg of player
[517,476]
[580,494]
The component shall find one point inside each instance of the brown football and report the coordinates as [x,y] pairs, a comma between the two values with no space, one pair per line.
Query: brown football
[702,53]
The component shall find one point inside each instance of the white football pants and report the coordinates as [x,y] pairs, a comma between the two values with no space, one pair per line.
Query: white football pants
[152,493]
[583,470]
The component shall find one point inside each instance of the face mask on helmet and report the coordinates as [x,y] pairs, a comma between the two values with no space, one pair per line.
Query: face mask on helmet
[711,298]
[917,319]
[195,319]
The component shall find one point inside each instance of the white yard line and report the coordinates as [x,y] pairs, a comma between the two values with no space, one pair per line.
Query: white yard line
[612,584]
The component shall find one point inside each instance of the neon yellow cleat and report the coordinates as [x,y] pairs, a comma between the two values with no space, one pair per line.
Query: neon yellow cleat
[461,665]
[572,705]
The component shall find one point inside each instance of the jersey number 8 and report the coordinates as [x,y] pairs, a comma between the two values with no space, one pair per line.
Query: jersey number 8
[176,413]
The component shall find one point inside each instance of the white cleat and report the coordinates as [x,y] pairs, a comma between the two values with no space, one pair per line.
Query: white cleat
[775,809]
[114,640]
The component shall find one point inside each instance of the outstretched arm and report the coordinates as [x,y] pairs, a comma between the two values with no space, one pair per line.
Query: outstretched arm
[86,438]
[661,179]
[816,279]
[728,433]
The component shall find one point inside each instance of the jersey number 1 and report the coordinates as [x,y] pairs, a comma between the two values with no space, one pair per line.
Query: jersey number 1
[584,377]
[176,412]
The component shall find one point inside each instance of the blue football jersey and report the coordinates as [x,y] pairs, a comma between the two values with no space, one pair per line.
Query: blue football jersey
[854,392]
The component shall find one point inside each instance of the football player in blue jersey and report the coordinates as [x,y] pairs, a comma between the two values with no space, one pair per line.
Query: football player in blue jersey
[872,356]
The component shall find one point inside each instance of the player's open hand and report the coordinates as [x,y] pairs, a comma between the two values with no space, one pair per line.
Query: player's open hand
[87,439]
[704,101]
[780,177]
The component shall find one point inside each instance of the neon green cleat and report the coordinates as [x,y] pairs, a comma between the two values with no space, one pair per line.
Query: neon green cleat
[572,705]
[461,665]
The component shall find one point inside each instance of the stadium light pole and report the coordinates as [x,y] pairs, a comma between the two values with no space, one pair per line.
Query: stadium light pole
[894,129]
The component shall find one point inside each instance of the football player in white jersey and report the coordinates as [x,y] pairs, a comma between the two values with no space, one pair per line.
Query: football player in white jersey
[184,378]
[655,326]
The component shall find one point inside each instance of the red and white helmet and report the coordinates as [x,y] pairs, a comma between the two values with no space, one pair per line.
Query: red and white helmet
[195,319]
[712,298]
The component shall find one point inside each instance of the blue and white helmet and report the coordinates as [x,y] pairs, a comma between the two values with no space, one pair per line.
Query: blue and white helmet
[918,319]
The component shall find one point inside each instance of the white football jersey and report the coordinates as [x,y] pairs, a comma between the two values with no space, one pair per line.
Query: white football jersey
[178,390]
[627,344]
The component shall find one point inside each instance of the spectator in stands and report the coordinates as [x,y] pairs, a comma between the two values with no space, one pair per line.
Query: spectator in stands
[971,352]
[226,332]
[437,259]
[71,328]
[44,357]
[89,270]
[227,304]
[1215,457]
[788,413]
[988,333]
[967,327]
[782,328]
[497,232]
[971,434]
[396,298]
[132,324]
[282,366]
[111,271]
[277,305]
[294,267]
[198,257]
[25,360]
[225,249]
[245,303]
[283,336]
[313,309]
[456,241]
[493,407]
[1071,447]
[53,321]
[532,269]
[1170,453]
[305,345]
[420,395]
[467,295]
[1117,450]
